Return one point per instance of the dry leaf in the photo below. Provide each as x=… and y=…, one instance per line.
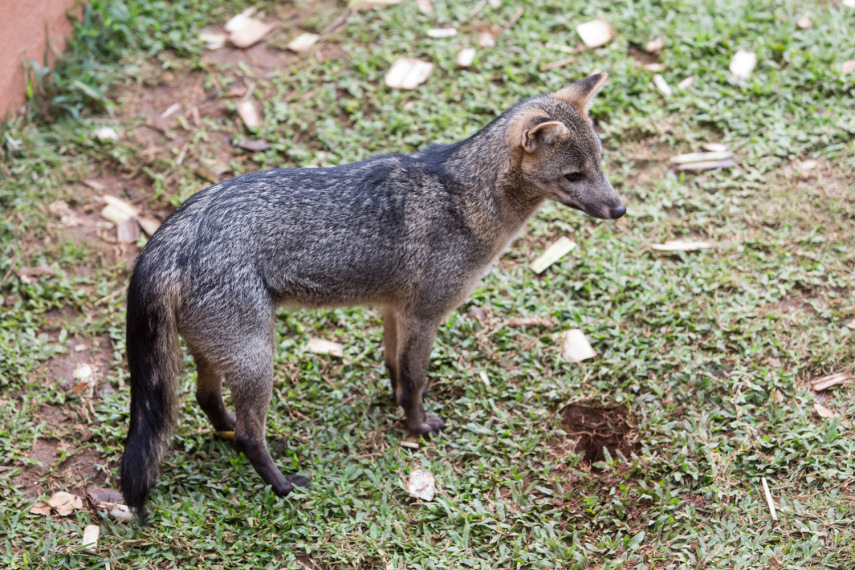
x=66, y=215
x=148, y=224
x=827, y=382
x=851, y=324
x=557, y=64
x=95, y=185
x=848, y=66
x=303, y=42
x=368, y=4
x=85, y=377
x=553, y=253
x=100, y=495
x=254, y=146
x=743, y=63
x=117, y=511
x=662, y=85
x=484, y=378
x=321, y=346
x=479, y=314
x=804, y=22
x=575, y=347
x=408, y=73
x=32, y=274
x=655, y=45
x=248, y=113
x=244, y=30
x=686, y=83
x=595, y=33
x=117, y=210
x=65, y=503
x=823, y=411
x=40, y=508
x=700, y=157
x=530, y=322
x=412, y=442
x=486, y=39
x=90, y=537
x=438, y=33
x=777, y=396
x=466, y=57
x=680, y=245
x=421, y=485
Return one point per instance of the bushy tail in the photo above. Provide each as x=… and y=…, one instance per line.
x=154, y=359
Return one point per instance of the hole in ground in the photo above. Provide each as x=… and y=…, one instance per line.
x=597, y=427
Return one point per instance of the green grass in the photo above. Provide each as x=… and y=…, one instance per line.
x=694, y=345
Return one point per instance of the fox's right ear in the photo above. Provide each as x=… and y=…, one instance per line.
x=581, y=94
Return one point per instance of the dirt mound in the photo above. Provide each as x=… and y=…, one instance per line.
x=596, y=428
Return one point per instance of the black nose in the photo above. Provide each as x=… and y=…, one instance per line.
x=618, y=211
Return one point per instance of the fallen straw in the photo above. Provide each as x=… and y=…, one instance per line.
x=769, y=499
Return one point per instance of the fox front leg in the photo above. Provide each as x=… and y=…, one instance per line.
x=414, y=343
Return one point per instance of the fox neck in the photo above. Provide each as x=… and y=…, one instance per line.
x=496, y=201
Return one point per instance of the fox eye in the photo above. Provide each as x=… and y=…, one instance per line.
x=574, y=176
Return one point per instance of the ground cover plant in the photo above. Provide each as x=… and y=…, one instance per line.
x=701, y=383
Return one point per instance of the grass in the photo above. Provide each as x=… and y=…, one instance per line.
x=697, y=347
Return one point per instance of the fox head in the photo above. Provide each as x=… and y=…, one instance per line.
x=558, y=151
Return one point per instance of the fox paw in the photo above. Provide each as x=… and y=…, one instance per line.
x=287, y=484
x=431, y=426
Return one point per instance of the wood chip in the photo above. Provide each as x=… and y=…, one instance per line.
x=148, y=224
x=485, y=379
x=706, y=165
x=848, y=66
x=595, y=33
x=804, y=22
x=769, y=501
x=117, y=210
x=553, y=253
x=303, y=42
x=655, y=45
x=425, y=6
x=95, y=185
x=530, y=322
x=408, y=73
x=421, y=485
x=65, y=503
x=823, y=411
x=557, y=64
x=681, y=245
x=743, y=63
x=654, y=67
x=438, y=33
x=466, y=57
x=662, y=85
x=851, y=324
x=807, y=165
x=686, y=83
x=486, y=39
x=171, y=110
x=101, y=495
x=410, y=443
x=715, y=147
x=128, y=231
x=827, y=382
x=700, y=157
x=321, y=346
x=575, y=347
x=248, y=113
x=213, y=39
x=84, y=376
x=65, y=213
x=495, y=4
x=40, y=508
x=106, y=134
x=90, y=537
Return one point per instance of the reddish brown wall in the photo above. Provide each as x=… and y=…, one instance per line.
x=27, y=28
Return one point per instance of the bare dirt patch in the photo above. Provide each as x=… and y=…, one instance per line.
x=595, y=428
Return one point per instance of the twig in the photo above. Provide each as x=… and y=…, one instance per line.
x=557, y=64
x=769, y=499
x=10, y=270
x=336, y=24
x=115, y=293
x=515, y=19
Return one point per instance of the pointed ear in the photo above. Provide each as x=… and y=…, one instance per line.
x=581, y=94
x=542, y=135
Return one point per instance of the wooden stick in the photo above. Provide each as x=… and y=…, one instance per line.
x=769, y=499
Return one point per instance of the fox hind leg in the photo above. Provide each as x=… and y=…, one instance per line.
x=209, y=395
x=390, y=347
x=414, y=341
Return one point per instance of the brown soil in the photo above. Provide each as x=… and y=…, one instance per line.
x=596, y=428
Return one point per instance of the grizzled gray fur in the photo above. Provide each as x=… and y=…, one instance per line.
x=410, y=233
